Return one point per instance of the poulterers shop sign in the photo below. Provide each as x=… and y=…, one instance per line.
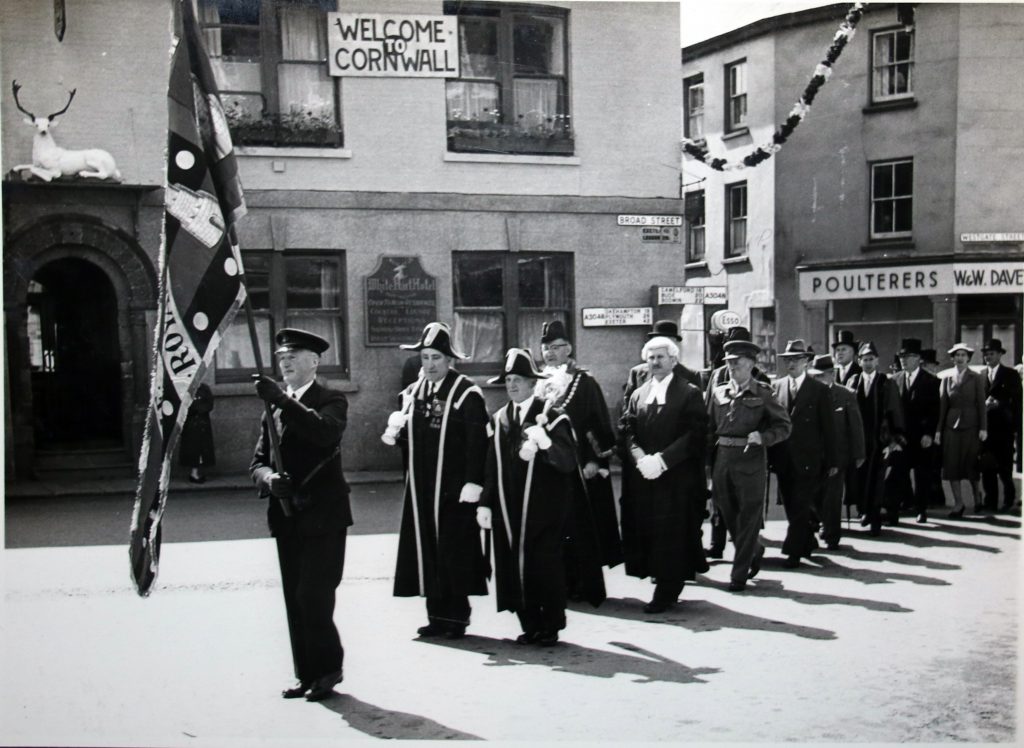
x=911, y=280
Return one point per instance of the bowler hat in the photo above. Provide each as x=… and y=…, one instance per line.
x=867, y=349
x=737, y=332
x=438, y=336
x=665, y=328
x=928, y=356
x=553, y=330
x=822, y=364
x=518, y=361
x=910, y=347
x=291, y=339
x=846, y=337
x=995, y=344
x=960, y=347
x=741, y=348
x=797, y=348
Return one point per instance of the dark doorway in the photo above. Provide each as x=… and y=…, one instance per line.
x=75, y=356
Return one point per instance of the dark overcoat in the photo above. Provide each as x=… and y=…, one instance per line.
x=197, y=433
x=810, y=450
x=849, y=426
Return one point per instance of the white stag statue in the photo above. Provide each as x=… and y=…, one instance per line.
x=49, y=160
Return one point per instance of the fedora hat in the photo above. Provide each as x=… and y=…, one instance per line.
x=741, y=348
x=737, y=332
x=867, y=349
x=910, y=347
x=821, y=364
x=438, y=336
x=928, y=356
x=797, y=348
x=846, y=337
x=665, y=328
x=995, y=344
x=553, y=330
x=293, y=339
x=961, y=347
x=518, y=361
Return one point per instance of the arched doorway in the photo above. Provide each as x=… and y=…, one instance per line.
x=74, y=355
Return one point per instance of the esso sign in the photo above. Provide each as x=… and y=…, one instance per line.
x=723, y=319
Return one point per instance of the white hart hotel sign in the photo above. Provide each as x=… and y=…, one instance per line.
x=911, y=280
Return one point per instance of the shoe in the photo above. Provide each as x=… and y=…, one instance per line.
x=194, y=479
x=455, y=632
x=791, y=562
x=295, y=692
x=715, y=552
x=831, y=544
x=864, y=520
x=737, y=586
x=323, y=687
x=755, y=565
x=957, y=513
x=922, y=518
x=547, y=638
x=875, y=530
x=529, y=637
x=431, y=629
x=658, y=606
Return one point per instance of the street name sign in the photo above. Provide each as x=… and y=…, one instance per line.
x=617, y=316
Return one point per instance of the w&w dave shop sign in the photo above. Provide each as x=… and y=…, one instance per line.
x=912, y=280
x=395, y=46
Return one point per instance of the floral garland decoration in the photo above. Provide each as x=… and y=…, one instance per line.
x=821, y=74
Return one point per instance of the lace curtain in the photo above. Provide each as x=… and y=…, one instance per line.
x=303, y=86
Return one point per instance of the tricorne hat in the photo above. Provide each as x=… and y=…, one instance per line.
x=796, y=348
x=741, y=348
x=438, y=336
x=665, y=328
x=554, y=330
x=909, y=347
x=292, y=339
x=846, y=337
x=821, y=364
x=518, y=361
x=960, y=347
x=995, y=344
x=867, y=349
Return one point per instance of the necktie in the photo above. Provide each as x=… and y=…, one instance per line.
x=991, y=375
x=515, y=418
x=792, y=393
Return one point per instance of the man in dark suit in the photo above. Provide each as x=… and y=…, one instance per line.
x=804, y=460
x=844, y=353
x=882, y=414
x=309, y=512
x=919, y=396
x=828, y=500
x=1003, y=405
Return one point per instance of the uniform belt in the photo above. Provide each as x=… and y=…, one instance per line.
x=732, y=441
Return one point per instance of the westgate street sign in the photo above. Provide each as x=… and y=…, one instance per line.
x=617, y=316
x=912, y=280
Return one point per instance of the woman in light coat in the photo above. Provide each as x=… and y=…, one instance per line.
x=961, y=427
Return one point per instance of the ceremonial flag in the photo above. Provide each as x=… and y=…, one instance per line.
x=201, y=276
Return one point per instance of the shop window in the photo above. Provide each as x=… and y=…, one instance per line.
x=693, y=104
x=892, y=65
x=736, y=219
x=885, y=321
x=288, y=289
x=512, y=95
x=736, y=96
x=503, y=299
x=762, y=332
x=694, y=213
x=892, y=199
x=270, y=61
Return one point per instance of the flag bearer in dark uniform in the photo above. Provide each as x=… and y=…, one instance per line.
x=309, y=511
x=808, y=457
x=531, y=461
x=1003, y=404
x=664, y=432
x=745, y=420
x=592, y=531
x=720, y=376
x=828, y=498
x=442, y=427
x=882, y=414
x=919, y=395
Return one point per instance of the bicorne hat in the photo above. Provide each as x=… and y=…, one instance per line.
x=995, y=344
x=553, y=330
x=796, y=348
x=910, y=347
x=822, y=364
x=438, y=336
x=741, y=348
x=292, y=339
x=867, y=349
x=665, y=328
x=518, y=361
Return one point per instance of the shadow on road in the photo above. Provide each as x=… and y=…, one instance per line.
x=826, y=567
x=700, y=615
x=976, y=526
x=384, y=723
x=566, y=657
x=929, y=540
x=855, y=554
x=775, y=588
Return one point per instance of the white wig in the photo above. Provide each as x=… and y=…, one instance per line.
x=660, y=342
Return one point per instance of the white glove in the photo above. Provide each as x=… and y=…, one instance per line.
x=470, y=493
x=396, y=422
x=528, y=451
x=483, y=517
x=590, y=470
x=538, y=435
x=651, y=466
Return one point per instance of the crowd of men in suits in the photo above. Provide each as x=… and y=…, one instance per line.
x=532, y=480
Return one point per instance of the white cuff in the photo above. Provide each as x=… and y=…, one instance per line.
x=470, y=493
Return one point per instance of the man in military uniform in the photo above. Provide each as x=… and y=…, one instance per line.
x=309, y=512
x=745, y=421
